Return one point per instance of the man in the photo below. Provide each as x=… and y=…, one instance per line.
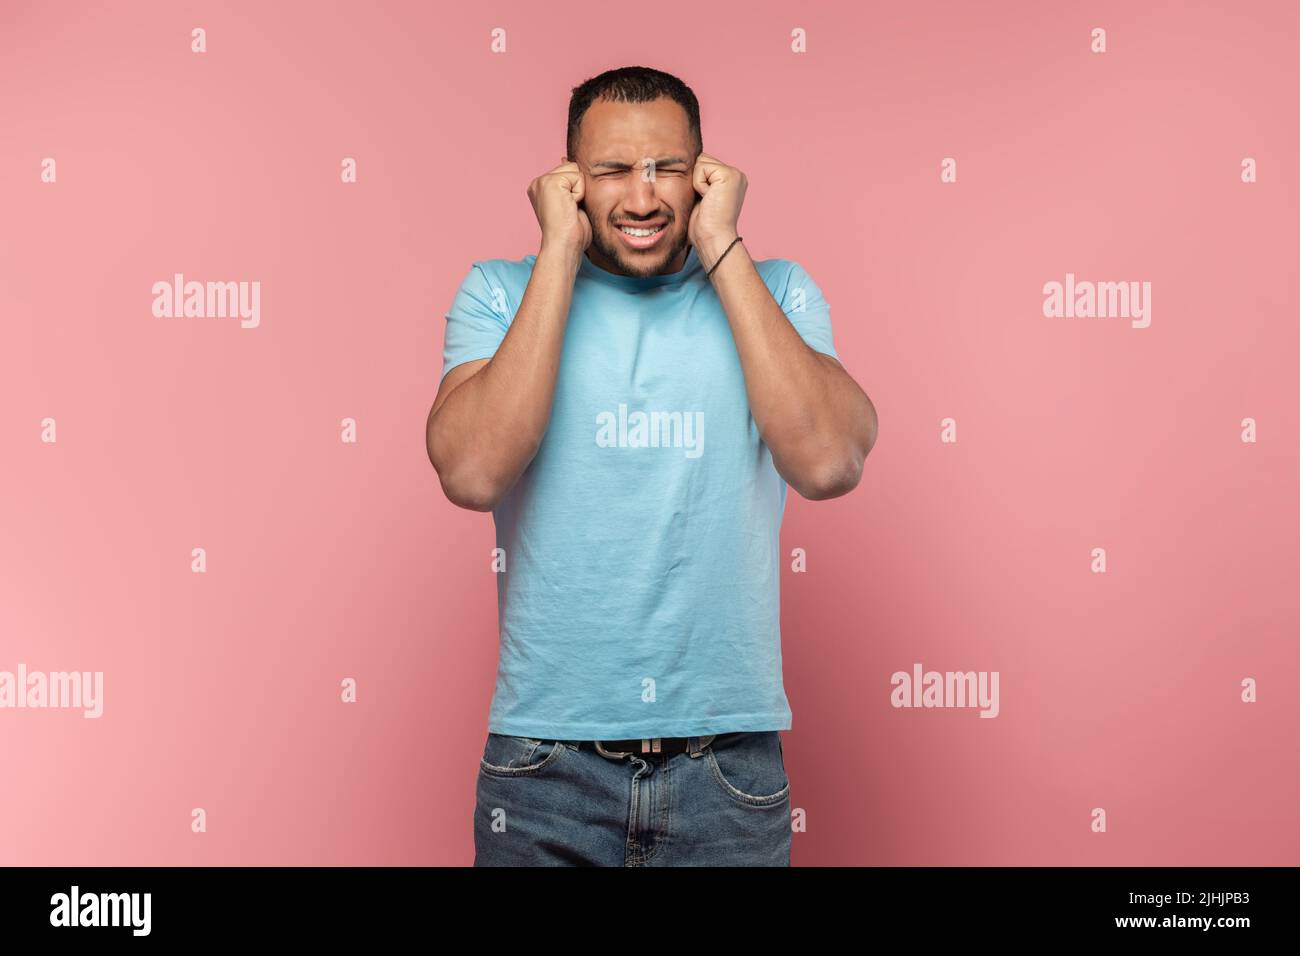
x=630, y=403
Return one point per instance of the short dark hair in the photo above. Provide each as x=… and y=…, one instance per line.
x=631, y=84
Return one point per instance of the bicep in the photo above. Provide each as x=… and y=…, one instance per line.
x=456, y=377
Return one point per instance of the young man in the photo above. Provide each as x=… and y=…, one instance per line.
x=630, y=404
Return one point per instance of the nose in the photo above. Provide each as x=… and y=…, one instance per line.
x=640, y=198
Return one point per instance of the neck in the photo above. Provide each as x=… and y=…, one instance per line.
x=676, y=264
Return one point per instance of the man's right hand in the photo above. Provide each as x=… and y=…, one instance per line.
x=555, y=196
x=490, y=415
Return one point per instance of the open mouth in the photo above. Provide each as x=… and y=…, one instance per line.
x=642, y=237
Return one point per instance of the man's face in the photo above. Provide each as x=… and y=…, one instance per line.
x=623, y=190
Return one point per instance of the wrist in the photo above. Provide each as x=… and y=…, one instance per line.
x=711, y=250
x=561, y=252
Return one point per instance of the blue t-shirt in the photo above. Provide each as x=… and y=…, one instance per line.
x=640, y=595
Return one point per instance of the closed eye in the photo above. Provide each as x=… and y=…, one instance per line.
x=659, y=171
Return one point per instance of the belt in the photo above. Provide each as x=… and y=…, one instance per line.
x=649, y=746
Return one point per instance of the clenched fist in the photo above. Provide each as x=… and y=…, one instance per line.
x=555, y=196
x=714, y=219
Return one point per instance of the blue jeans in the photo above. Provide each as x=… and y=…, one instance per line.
x=562, y=803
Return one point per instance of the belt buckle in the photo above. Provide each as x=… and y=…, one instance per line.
x=649, y=745
x=613, y=754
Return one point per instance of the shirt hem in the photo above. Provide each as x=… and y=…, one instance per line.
x=727, y=724
x=469, y=357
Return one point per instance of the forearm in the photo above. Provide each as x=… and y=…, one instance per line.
x=814, y=418
x=488, y=429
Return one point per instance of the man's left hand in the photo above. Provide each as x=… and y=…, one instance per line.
x=713, y=220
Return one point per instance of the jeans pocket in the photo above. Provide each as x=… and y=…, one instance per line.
x=507, y=756
x=750, y=767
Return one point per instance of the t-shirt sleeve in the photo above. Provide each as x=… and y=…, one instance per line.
x=476, y=322
x=808, y=311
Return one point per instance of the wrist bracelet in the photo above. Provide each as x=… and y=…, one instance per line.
x=709, y=274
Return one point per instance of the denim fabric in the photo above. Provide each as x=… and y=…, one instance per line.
x=561, y=803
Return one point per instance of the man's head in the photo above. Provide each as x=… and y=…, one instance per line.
x=635, y=134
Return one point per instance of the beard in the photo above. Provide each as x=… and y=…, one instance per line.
x=636, y=263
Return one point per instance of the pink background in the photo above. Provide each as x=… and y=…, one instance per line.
x=329, y=560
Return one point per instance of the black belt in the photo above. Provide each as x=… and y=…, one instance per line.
x=649, y=745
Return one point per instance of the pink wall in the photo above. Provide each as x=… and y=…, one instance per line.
x=325, y=560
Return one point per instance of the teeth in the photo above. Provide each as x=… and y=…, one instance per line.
x=640, y=232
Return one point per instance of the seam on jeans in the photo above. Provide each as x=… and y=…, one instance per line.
x=493, y=770
x=658, y=846
x=633, y=844
x=668, y=809
x=740, y=796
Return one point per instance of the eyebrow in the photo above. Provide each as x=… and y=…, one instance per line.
x=611, y=164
